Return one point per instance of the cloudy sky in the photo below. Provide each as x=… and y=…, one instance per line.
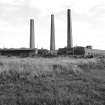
x=88, y=22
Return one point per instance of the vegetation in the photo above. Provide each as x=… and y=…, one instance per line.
x=53, y=81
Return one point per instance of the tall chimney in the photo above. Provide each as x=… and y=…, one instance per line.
x=69, y=29
x=52, y=37
x=32, y=43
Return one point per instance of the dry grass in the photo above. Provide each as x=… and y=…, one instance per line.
x=40, y=81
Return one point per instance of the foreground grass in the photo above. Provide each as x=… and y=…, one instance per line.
x=62, y=81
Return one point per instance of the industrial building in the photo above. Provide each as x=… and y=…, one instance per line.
x=68, y=50
x=22, y=52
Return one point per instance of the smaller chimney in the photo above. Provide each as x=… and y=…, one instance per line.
x=52, y=37
x=32, y=43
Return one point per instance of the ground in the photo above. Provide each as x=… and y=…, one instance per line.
x=52, y=81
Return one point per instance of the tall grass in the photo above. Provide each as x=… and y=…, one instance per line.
x=62, y=81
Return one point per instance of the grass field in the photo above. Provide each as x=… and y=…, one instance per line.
x=52, y=81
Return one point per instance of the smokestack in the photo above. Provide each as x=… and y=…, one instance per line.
x=69, y=29
x=32, y=43
x=52, y=37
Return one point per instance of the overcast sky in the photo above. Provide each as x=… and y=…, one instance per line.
x=88, y=22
